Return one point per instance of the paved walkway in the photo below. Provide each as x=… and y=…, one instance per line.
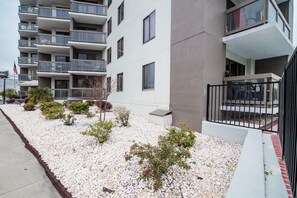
x=21, y=175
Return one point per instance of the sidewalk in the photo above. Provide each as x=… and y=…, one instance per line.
x=21, y=175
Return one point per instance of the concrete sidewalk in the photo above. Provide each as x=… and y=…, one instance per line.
x=21, y=175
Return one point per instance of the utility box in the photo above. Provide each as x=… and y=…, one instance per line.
x=161, y=117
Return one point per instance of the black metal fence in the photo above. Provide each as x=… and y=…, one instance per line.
x=288, y=120
x=245, y=104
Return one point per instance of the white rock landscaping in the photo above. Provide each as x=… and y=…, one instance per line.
x=84, y=167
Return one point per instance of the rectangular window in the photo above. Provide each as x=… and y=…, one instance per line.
x=234, y=69
x=148, y=76
x=109, y=26
x=121, y=13
x=149, y=27
x=84, y=56
x=120, y=82
x=121, y=47
x=109, y=55
x=109, y=3
x=108, y=81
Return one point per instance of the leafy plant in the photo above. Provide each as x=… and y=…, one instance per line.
x=79, y=107
x=29, y=106
x=64, y=103
x=90, y=102
x=89, y=115
x=69, y=119
x=10, y=93
x=27, y=100
x=122, y=115
x=101, y=130
x=103, y=105
x=52, y=110
x=39, y=95
x=173, y=149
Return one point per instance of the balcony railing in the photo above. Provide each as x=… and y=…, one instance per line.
x=28, y=10
x=85, y=93
x=27, y=60
x=60, y=93
x=56, y=13
x=88, y=65
x=27, y=77
x=28, y=27
x=89, y=37
x=27, y=43
x=89, y=8
x=54, y=67
x=46, y=39
x=253, y=13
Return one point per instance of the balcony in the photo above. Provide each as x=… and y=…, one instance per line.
x=84, y=93
x=60, y=93
x=27, y=46
x=47, y=43
x=90, y=13
x=28, y=13
x=27, y=77
x=49, y=18
x=27, y=30
x=88, y=40
x=46, y=68
x=87, y=67
x=257, y=29
x=26, y=62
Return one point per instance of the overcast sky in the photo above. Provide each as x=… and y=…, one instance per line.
x=9, y=34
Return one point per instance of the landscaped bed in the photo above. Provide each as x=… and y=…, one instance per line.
x=84, y=167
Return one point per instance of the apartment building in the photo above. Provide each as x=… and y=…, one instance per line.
x=160, y=54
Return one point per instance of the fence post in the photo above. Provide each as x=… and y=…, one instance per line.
x=207, y=103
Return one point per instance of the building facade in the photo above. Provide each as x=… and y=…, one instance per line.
x=157, y=54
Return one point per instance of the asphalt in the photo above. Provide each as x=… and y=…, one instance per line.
x=21, y=175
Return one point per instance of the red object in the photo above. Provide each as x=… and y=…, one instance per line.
x=15, y=70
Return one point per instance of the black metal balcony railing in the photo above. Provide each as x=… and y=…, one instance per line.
x=28, y=27
x=27, y=77
x=60, y=93
x=27, y=60
x=54, y=67
x=46, y=39
x=253, y=13
x=90, y=37
x=28, y=10
x=56, y=13
x=89, y=8
x=88, y=65
x=27, y=43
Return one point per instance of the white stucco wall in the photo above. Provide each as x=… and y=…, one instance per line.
x=137, y=54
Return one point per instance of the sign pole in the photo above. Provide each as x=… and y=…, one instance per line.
x=4, y=91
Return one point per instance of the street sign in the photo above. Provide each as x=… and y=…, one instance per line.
x=4, y=74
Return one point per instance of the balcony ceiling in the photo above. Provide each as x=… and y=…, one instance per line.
x=27, y=17
x=49, y=49
x=261, y=42
x=88, y=18
x=27, y=33
x=52, y=74
x=87, y=46
x=32, y=83
x=87, y=73
x=50, y=23
x=28, y=49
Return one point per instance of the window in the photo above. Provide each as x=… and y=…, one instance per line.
x=109, y=26
x=84, y=56
x=121, y=13
x=149, y=28
x=61, y=84
x=148, y=76
x=109, y=55
x=62, y=58
x=121, y=47
x=234, y=69
x=120, y=82
x=109, y=3
x=108, y=80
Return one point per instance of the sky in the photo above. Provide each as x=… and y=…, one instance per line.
x=9, y=34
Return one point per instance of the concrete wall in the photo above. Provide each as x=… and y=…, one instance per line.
x=271, y=65
x=197, y=56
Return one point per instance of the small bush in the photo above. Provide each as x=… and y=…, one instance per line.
x=39, y=95
x=90, y=102
x=10, y=101
x=89, y=115
x=10, y=93
x=29, y=106
x=103, y=105
x=64, y=103
x=79, y=107
x=27, y=99
x=69, y=119
x=52, y=110
x=101, y=130
x=173, y=149
x=122, y=115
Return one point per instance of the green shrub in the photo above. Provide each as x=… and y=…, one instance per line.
x=27, y=100
x=79, y=107
x=122, y=115
x=101, y=130
x=10, y=93
x=173, y=149
x=39, y=95
x=90, y=102
x=89, y=115
x=64, y=103
x=52, y=110
x=69, y=119
x=29, y=106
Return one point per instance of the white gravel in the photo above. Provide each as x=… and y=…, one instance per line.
x=84, y=167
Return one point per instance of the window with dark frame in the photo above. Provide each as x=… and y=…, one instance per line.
x=109, y=26
x=149, y=27
x=148, y=76
x=121, y=47
x=121, y=13
x=109, y=3
x=120, y=82
x=234, y=68
x=109, y=55
x=108, y=81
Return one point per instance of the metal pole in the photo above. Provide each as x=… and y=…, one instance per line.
x=4, y=91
